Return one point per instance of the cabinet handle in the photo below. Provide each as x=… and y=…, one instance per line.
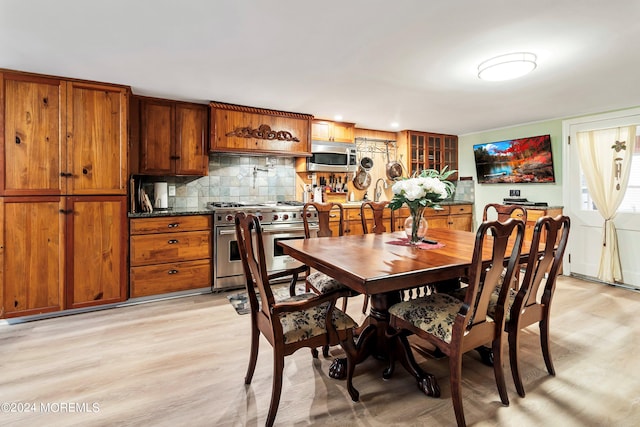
x=174, y=157
x=173, y=225
x=66, y=174
x=172, y=272
x=172, y=241
x=66, y=212
x=85, y=171
x=18, y=140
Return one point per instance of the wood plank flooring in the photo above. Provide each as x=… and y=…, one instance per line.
x=183, y=361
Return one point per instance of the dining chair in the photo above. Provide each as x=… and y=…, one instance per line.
x=454, y=326
x=499, y=212
x=378, y=210
x=527, y=307
x=319, y=282
x=290, y=324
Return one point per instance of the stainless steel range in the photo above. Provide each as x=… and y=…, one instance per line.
x=281, y=221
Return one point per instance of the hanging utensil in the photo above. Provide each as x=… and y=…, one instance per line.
x=394, y=168
x=362, y=179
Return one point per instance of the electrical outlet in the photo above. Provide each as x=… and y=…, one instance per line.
x=172, y=190
x=514, y=193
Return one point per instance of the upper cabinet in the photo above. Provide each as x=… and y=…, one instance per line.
x=427, y=150
x=62, y=137
x=324, y=130
x=239, y=129
x=168, y=137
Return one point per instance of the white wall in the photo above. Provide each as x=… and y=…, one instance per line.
x=494, y=193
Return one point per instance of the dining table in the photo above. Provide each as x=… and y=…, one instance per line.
x=381, y=266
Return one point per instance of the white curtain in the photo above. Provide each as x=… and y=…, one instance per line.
x=605, y=157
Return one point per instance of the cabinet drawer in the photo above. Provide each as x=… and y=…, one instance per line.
x=170, y=277
x=170, y=247
x=170, y=224
x=460, y=209
x=436, y=212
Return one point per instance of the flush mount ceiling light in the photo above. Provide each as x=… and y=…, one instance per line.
x=507, y=67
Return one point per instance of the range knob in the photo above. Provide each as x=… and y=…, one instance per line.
x=229, y=218
x=260, y=217
x=275, y=217
x=308, y=214
x=285, y=217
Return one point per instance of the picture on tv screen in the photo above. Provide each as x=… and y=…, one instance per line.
x=520, y=160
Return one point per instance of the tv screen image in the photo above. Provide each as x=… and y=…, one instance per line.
x=520, y=160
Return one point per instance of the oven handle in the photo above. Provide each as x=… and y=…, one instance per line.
x=273, y=230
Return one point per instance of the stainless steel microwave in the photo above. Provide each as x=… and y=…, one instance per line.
x=332, y=157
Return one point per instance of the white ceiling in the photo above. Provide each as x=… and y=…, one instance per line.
x=372, y=61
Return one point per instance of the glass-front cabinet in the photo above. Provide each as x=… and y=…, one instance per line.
x=430, y=151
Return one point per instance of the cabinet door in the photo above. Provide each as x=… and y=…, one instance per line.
x=460, y=222
x=96, y=139
x=190, y=152
x=320, y=130
x=31, y=146
x=343, y=132
x=417, y=153
x=157, y=130
x=31, y=260
x=96, y=250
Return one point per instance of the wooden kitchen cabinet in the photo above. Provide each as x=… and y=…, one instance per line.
x=169, y=137
x=427, y=150
x=63, y=147
x=32, y=241
x=61, y=252
x=170, y=254
x=96, y=250
x=62, y=137
x=324, y=130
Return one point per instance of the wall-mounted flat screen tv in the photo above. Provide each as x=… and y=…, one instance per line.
x=520, y=160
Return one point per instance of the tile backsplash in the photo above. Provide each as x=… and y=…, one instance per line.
x=234, y=179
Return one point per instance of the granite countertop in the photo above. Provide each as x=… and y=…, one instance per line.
x=171, y=212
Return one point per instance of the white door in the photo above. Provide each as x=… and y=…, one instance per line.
x=585, y=241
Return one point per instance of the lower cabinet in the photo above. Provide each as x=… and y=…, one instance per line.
x=533, y=214
x=61, y=252
x=453, y=217
x=170, y=254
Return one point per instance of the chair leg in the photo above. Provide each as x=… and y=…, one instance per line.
x=365, y=304
x=253, y=356
x=314, y=353
x=514, y=342
x=498, y=370
x=344, y=304
x=349, y=347
x=544, y=342
x=455, y=378
x=276, y=390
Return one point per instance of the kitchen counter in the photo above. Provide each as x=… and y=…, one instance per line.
x=171, y=212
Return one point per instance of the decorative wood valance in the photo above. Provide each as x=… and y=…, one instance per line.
x=240, y=129
x=255, y=110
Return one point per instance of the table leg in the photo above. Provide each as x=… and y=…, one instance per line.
x=427, y=382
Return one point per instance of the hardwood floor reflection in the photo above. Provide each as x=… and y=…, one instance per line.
x=182, y=362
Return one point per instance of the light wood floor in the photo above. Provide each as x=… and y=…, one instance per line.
x=182, y=362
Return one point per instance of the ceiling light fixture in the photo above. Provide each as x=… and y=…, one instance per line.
x=507, y=67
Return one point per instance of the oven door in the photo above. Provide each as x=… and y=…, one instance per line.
x=228, y=270
x=275, y=258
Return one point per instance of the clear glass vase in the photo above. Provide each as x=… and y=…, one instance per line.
x=415, y=234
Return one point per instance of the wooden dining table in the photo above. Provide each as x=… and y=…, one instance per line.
x=380, y=266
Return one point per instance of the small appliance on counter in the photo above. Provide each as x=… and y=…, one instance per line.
x=161, y=195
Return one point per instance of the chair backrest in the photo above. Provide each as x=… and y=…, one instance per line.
x=378, y=209
x=325, y=211
x=550, y=235
x=503, y=212
x=505, y=242
x=251, y=248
